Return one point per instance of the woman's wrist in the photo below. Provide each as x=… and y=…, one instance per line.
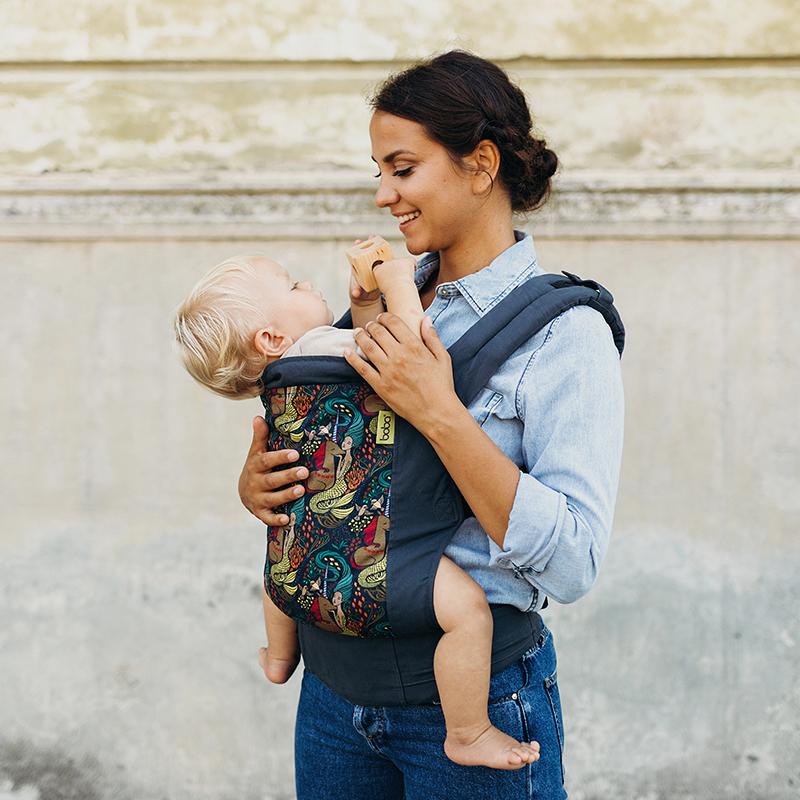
x=444, y=419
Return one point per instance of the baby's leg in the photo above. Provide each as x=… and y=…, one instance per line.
x=462, y=664
x=281, y=657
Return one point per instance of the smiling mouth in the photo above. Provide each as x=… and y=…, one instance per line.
x=403, y=218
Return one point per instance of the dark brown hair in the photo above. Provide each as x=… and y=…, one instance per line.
x=461, y=99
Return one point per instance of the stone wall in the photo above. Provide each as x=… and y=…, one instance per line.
x=142, y=141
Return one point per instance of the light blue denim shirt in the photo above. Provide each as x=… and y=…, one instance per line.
x=555, y=408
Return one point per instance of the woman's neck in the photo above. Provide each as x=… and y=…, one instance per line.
x=475, y=250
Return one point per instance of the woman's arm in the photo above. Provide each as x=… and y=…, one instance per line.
x=415, y=378
x=551, y=521
x=571, y=404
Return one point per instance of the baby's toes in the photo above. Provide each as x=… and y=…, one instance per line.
x=527, y=754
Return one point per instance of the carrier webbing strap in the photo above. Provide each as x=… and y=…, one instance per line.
x=479, y=353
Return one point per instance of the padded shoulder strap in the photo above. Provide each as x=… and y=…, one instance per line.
x=480, y=352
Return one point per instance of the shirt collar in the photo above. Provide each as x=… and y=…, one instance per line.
x=486, y=287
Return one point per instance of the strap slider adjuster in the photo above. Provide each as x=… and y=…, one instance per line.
x=602, y=293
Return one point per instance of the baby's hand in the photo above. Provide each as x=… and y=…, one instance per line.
x=396, y=270
x=359, y=296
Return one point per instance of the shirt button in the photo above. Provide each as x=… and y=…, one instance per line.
x=514, y=696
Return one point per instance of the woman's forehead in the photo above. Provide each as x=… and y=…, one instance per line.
x=394, y=136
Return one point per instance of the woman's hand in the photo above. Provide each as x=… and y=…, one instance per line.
x=260, y=487
x=414, y=377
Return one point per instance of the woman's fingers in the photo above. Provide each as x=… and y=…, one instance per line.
x=258, y=478
x=431, y=339
x=364, y=369
x=398, y=329
x=381, y=336
x=265, y=503
x=267, y=461
x=372, y=348
x=271, y=518
x=277, y=480
x=259, y=458
x=259, y=442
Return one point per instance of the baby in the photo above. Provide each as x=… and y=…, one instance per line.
x=244, y=314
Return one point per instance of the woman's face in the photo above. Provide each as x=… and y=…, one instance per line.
x=430, y=197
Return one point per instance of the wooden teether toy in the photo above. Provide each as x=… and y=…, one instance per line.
x=366, y=255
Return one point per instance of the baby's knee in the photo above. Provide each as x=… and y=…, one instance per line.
x=461, y=603
x=473, y=600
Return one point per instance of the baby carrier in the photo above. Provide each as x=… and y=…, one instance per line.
x=363, y=544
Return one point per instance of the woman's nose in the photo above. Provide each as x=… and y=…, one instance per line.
x=385, y=195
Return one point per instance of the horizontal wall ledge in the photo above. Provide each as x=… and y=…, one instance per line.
x=253, y=121
x=334, y=204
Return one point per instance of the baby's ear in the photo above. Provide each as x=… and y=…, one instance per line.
x=271, y=342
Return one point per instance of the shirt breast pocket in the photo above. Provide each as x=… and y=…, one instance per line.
x=486, y=402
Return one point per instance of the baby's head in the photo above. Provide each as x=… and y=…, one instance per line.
x=242, y=315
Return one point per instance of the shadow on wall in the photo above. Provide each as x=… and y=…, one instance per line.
x=28, y=772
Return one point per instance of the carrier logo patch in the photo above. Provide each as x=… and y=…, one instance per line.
x=385, y=427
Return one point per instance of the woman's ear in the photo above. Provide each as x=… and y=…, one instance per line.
x=271, y=343
x=485, y=160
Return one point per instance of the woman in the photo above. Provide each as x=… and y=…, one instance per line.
x=536, y=455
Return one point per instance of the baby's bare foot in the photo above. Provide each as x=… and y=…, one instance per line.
x=490, y=748
x=277, y=670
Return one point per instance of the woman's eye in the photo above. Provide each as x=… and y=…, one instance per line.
x=401, y=173
x=295, y=285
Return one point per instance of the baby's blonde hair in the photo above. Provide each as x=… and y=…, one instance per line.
x=215, y=327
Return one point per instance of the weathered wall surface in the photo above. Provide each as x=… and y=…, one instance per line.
x=142, y=141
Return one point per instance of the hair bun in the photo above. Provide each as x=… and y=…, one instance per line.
x=549, y=162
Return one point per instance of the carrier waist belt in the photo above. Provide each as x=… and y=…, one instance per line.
x=399, y=671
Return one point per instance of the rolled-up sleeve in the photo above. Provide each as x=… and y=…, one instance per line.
x=571, y=405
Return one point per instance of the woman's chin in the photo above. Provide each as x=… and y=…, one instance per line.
x=416, y=245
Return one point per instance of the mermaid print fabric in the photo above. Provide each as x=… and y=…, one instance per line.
x=327, y=567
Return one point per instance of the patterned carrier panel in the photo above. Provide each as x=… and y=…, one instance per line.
x=327, y=567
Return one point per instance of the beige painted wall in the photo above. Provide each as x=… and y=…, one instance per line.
x=142, y=141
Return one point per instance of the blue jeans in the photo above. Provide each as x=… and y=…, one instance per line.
x=352, y=752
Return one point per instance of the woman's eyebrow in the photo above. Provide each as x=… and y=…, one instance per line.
x=393, y=155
